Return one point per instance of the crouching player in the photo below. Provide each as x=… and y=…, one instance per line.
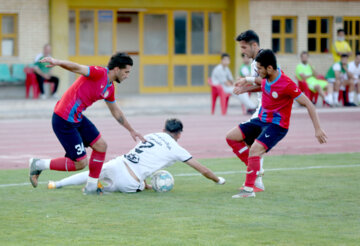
x=127, y=173
x=271, y=125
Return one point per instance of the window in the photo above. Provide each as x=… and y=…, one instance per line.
x=91, y=32
x=284, y=34
x=352, y=32
x=319, y=34
x=8, y=34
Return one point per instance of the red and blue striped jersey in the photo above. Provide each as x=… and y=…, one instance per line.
x=277, y=100
x=84, y=92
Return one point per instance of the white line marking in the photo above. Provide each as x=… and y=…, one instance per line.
x=272, y=170
x=224, y=173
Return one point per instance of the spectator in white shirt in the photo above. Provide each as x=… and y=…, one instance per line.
x=354, y=69
x=222, y=76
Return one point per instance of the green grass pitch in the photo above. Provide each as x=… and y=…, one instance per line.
x=299, y=207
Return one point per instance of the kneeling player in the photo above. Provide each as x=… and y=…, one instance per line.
x=127, y=173
x=265, y=131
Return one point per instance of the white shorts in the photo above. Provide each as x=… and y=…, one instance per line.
x=116, y=177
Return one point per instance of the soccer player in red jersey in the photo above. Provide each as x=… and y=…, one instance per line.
x=271, y=125
x=73, y=129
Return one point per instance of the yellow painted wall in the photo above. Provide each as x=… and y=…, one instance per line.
x=236, y=21
x=59, y=30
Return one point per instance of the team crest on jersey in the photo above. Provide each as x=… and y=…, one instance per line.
x=274, y=94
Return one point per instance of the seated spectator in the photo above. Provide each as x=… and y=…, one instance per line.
x=338, y=77
x=354, y=69
x=44, y=73
x=306, y=72
x=222, y=76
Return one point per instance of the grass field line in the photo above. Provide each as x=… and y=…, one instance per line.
x=224, y=173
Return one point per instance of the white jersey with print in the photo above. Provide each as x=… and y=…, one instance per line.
x=255, y=74
x=159, y=151
x=355, y=70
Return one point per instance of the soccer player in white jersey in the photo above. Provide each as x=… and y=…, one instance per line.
x=250, y=46
x=127, y=173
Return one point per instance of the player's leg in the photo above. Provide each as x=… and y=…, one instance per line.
x=92, y=138
x=269, y=137
x=70, y=139
x=235, y=139
x=76, y=179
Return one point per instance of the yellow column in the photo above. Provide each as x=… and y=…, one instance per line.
x=59, y=36
x=242, y=23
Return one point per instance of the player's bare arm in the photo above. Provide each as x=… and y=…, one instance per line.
x=319, y=133
x=71, y=66
x=206, y=172
x=120, y=117
x=247, y=84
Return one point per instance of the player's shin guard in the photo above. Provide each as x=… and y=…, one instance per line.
x=62, y=164
x=96, y=163
x=240, y=149
x=252, y=170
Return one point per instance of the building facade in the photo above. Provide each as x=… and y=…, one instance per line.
x=175, y=44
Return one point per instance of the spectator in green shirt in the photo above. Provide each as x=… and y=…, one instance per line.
x=245, y=68
x=43, y=72
x=306, y=72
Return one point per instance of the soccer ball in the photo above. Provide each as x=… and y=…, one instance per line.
x=162, y=181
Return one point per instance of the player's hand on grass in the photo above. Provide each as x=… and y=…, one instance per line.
x=221, y=181
x=135, y=135
x=321, y=136
x=52, y=62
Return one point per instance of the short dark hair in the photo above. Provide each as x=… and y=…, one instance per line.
x=340, y=30
x=304, y=53
x=120, y=60
x=224, y=55
x=248, y=36
x=357, y=53
x=266, y=58
x=173, y=126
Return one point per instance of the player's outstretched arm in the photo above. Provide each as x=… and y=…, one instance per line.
x=71, y=66
x=319, y=133
x=247, y=84
x=205, y=171
x=120, y=117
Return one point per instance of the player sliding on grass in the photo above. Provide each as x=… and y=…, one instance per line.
x=73, y=129
x=265, y=131
x=127, y=173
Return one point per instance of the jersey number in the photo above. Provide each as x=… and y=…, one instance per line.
x=143, y=146
x=80, y=148
x=134, y=157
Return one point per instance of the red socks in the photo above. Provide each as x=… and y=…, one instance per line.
x=62, y=164
x=95, y=164
x=253, y=168
x=240, y=149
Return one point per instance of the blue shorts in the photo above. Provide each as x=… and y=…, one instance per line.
x=267, y=134
x=74, y=137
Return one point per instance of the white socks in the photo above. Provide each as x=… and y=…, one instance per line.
x=77, y=179
x=43, y=164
